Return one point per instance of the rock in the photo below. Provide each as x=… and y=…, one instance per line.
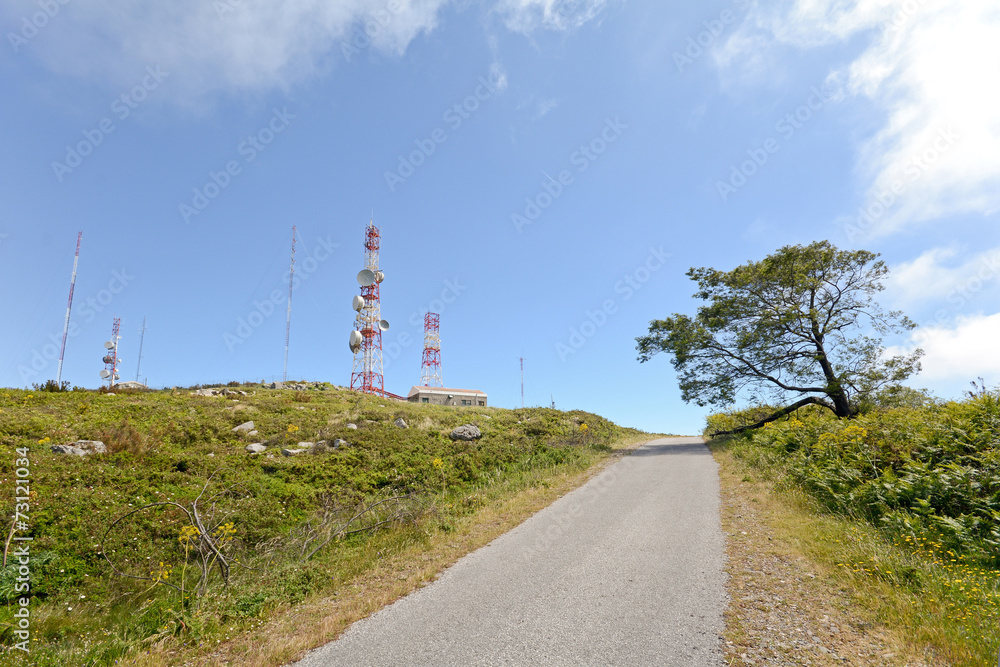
x=340, y=443
x=277, y=385
x=466, y=432
x=81, y=448
x=68, y=449
x=253, y=432
x=353, y=427
x=204, y=392
x=242, y=393
x=245, y=427
x=256, y=447
x=111, y=393
x=400, y=423
x=211, y=454
x=308, y=445
x=293, y=452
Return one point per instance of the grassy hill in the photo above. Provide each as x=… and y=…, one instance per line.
x=177, y=541
x=900, y=506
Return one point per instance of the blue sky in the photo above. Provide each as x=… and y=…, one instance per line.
x=543, y=173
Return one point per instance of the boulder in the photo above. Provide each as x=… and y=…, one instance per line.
x=81, y=448
x=306, y=445
x=466, y=432
x=256, y=447
x=338, y=442
x=294, y=452
x=245, y=427
x=353, y=427
x=277, y=385
x=400, y=423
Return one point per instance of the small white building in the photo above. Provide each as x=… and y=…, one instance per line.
x=445, y=396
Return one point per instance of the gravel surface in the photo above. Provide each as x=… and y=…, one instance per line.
x=784, y=611
x=626, y=570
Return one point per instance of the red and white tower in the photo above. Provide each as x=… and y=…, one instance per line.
x=110, y=372
x=430, y=367
x=366, y=339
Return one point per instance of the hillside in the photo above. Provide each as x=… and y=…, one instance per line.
x=177, y=538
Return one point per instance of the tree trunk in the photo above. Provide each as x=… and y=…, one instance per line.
x=809, y=400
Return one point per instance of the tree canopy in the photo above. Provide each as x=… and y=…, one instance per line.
x=800, y=326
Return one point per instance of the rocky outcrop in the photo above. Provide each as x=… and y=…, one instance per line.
x=81, y=448
x=467, y=432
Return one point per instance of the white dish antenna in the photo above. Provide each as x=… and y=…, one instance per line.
x=109, y=345
x=365, y=277
x=116, y=376
x=105, y=374
x=359, y=302
x=379, y=276
x=355, y=341
x=383, y=325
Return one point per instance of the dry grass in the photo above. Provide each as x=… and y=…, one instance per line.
x=789, y=604
x=291, y=632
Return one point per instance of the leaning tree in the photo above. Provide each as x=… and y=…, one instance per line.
x=800, y=327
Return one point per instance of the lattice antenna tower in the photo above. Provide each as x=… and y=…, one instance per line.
x=142, y=336
x=366, y=339
x=522, y=381
x=111, y=360
x=430, y=367
x=288, y=312
x=69, y=307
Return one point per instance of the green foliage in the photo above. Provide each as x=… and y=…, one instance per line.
x=930, y=472
x=797, y=323
x=918, y=490
x=163, y=446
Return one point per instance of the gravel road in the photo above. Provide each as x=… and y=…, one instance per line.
x=626, y=570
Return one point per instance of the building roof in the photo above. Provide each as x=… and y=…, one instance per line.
x=443, y=390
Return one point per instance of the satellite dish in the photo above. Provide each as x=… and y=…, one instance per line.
x=379, y=276
x=109, y=345
x=365, y=277
x=108, y=359
x=116, y=376
x=383, y=325
x=359, y=303
x=355, y=341
x=105, y=374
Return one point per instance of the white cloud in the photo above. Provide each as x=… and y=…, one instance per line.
x=960, y=353
x=926, y=69
x=527, y=16
x=943, y=274
x=208, y=46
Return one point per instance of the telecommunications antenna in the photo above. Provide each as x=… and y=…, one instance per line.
x=383, y=325
x=366, y=277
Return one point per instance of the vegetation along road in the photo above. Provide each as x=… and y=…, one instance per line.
x=627, y=569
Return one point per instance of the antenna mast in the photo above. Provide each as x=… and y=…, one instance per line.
x=522, y=381
x=69, y=307
x=430, y=367
x=288, y=314
x=110, y=372
x=142, y=334
x=366, y=339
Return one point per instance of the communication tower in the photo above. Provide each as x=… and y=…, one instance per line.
x=111, y=360
x=288, y=314
x=430, y=367
x=366, y=338
x=69, y=307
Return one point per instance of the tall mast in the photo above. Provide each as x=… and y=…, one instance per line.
x=69, y=307
x=142, y=334
x=288, y=314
